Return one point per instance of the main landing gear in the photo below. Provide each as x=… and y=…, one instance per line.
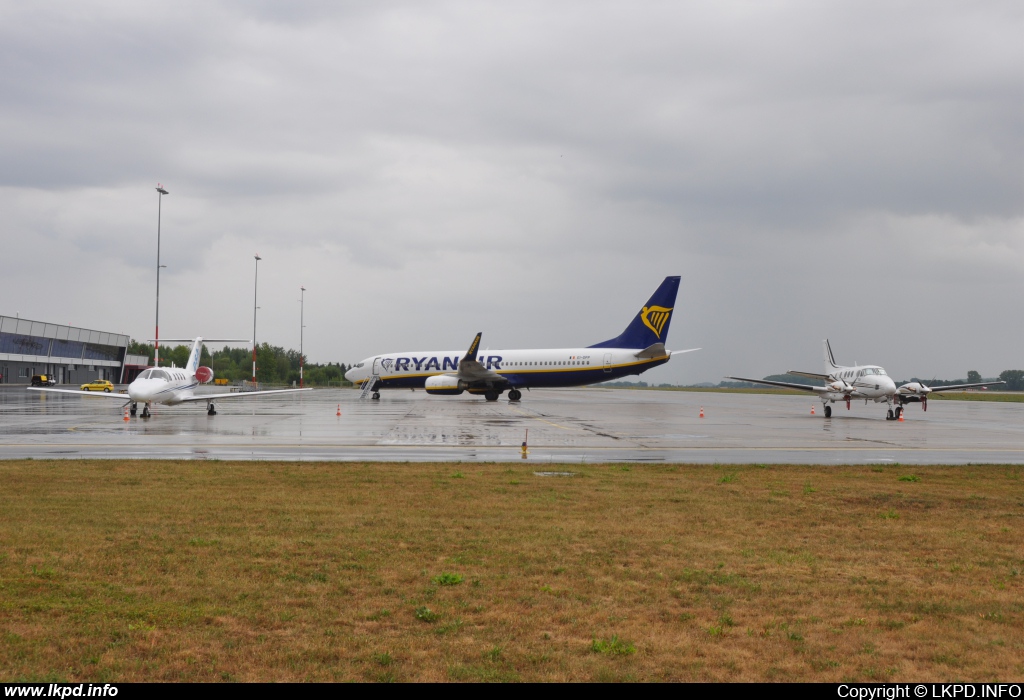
x=492, y=395
x=134, y=408
x=894, y=415
x=210, y=410
x=514, y=395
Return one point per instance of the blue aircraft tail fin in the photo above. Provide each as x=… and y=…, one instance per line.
x=650, y=325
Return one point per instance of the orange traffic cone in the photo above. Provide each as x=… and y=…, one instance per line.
x=339, y=409
x=125, y=414
x=812, y=409
x=701, y=411
x=901, y=416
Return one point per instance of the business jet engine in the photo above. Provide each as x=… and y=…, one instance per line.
x=204, y=375
x=443, y=385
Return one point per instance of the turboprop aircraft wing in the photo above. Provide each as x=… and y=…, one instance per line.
x=786, y=385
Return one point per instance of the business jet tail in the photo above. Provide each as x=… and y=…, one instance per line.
x=650, y=325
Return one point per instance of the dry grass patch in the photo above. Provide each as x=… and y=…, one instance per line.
x=287, y=571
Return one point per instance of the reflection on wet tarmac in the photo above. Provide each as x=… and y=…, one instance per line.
x=565, y=426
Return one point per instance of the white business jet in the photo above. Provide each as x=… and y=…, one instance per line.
x=868, y=382
x=443, y=372
x=173, y=385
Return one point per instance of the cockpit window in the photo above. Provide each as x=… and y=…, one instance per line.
x=157, y=374
x=880, y=371
x=145, y=375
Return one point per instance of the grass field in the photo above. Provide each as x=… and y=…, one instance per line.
x=134, y=571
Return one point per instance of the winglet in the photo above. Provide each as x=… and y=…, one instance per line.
x=473, y=347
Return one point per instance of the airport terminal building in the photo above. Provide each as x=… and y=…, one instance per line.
x=68, y=354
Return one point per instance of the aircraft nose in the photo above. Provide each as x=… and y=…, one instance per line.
x=351, y=375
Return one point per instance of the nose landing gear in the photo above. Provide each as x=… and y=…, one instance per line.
x=145, y=410
x=210, y=410
x=828, y=411
x=134, y=408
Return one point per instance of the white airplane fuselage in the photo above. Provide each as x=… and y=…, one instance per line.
x=551, y=367
x=165, y=385
x=860, y=382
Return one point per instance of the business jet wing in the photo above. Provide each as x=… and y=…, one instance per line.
x=471, y=370
x=101, y=394
x=241, y=394
x=786, y=385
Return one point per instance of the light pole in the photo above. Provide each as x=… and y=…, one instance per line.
x=302, y=327
x=156, y=338
x=255, y=280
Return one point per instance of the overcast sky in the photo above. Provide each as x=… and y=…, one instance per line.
x=531, y=170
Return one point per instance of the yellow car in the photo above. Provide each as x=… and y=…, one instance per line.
x=98, y=385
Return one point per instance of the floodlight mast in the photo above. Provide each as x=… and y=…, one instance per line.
x=255, y=282
x=156, y=337
x=302, y=328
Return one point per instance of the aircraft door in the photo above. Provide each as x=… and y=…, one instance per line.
x=376, y=366
x=607, y=362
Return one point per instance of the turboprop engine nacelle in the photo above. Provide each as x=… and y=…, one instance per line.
x=204, y=375
x=443, y=384
x=914, y=388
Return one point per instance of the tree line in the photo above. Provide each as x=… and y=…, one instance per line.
x=274, y=364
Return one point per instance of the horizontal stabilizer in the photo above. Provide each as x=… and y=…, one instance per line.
x=206, y=341
x=656, y=350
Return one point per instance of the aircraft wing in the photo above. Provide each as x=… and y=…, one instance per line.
x=786, y=385
x=101, y=394
x=241, y=394
x=471, y=370
x=809, y=375
x=957, y=387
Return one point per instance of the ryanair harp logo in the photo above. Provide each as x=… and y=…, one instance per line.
x=655, y=318
x=387, y=363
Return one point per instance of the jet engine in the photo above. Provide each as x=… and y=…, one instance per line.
x=204, y=375
x=443, y=384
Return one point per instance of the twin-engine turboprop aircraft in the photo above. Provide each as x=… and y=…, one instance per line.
x=490, y=373
x=174, y=385
x=863, y=382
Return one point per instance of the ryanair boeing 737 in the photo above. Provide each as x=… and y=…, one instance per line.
x=639, y=348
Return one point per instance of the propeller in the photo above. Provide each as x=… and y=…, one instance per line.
x=918, y=388
x=840, y=385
